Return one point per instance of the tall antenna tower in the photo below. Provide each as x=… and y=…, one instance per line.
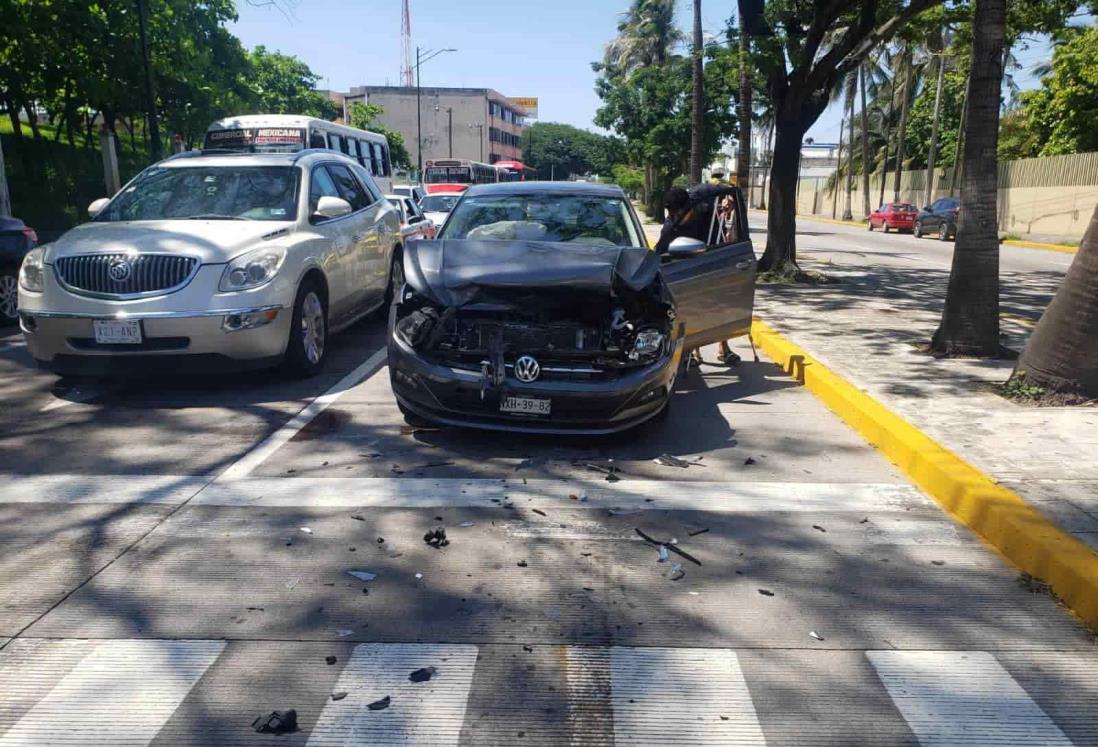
x=407, y=78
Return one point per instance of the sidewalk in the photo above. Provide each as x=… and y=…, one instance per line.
x=867, y=330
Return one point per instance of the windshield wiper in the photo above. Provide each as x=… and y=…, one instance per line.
x=216, y=216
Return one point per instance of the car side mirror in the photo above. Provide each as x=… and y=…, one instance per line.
x=97, y=206
x=684, y=246
x=329, y=207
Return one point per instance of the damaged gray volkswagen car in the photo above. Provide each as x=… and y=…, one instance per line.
x=540, y=308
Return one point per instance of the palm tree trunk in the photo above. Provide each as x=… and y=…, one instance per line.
x=848, y=208
x=901, y=135
x=699, y=100
x=960, y=142
x=1062, y=353
x=887, y=139
x=934, y=131
x=743, y=153
x=838, y=162
x=970, y=319
x=865, y=144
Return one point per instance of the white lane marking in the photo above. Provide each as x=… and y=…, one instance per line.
x=589, y=715
x=423, y=713
x=72, y=397
x=413, y=492
x=664, y=696
x=122, y=693
x=244, y=466
x=162, y=489
x=962, y=699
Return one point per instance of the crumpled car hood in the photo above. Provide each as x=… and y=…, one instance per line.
x=457, y=273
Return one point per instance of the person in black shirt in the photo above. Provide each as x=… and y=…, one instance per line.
x=690, y=213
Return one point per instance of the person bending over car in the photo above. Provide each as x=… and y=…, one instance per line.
x=690, y=214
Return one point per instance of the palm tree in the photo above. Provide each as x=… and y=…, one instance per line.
x=970, y=319
x=1062, y=352
x=743, y=153
x=865, y=143
x=697, y=118
x=646, y=35
x=851, y=88
x=906, y=72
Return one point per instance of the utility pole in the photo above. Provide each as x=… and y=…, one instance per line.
x=450, y=127
x=150, y=95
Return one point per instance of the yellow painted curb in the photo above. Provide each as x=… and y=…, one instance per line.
x=1019, y=531
x=1038, y=245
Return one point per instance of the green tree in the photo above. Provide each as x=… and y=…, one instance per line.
x=281, y=84
x=365, y=117
x=558, y=151
x=1061, y=114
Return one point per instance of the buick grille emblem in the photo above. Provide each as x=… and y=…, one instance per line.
x=527, y=369
x=119, y=270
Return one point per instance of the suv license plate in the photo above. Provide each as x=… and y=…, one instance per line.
x=117, y=332
x=525, y=405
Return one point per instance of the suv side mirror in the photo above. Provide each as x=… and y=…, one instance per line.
x=684, y=246
x=329, y=207
x=97, y=206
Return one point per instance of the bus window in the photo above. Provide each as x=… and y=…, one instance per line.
x=335, y=142
x=379, y=161
x=363, y=156
x=352, y=147
x=386, y=158
x=316, y=139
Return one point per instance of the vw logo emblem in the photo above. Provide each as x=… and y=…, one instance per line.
x=527, y=369
x=119, y=269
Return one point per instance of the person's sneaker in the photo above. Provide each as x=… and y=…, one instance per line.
x=729, y=358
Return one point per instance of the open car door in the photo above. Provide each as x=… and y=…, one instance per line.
x=714, y=285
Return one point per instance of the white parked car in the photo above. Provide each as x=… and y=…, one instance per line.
x=241, y=261
x=413, y=223
x=415, y=191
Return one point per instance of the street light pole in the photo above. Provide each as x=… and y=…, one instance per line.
x=419, y=126
x=420, y=59
x=450, y=127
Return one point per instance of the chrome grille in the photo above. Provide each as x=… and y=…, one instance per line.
x=144, y=274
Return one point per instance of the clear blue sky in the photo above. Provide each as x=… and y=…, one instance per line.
x=540, y=48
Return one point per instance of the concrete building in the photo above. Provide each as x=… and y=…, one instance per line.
x=478, y=124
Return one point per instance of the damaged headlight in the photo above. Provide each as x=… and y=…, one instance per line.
x=647, y=344
x=416, y=327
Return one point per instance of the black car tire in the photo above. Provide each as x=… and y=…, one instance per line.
x=306, y=349
x=9, y=296
x=396, y=278
x=945, y=231
x=884, y=227
x=917, y=230
x=869, y=224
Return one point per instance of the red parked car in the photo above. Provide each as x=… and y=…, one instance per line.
x=898, y=215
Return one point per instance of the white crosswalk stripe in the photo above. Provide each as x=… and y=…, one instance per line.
x=121, y=693
x=963, y=699
x=418, y=713
x=684, y=696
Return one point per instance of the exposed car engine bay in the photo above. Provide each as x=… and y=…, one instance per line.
x=585, y=329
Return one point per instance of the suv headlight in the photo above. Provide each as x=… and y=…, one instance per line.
x=32, y=273
x=253, y=269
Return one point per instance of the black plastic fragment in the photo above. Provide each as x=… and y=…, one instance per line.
x=276, y=722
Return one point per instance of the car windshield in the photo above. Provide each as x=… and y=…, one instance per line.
x=208, y=192
x=583, y=219
x=439, y=203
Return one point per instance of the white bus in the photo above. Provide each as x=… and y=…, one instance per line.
x=286, y=133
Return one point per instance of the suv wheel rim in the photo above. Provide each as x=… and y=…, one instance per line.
x=9, y=296
x=312, y=327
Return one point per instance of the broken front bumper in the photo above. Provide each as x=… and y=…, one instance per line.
x=454, y=396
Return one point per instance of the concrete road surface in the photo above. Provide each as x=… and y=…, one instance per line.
x=176, y=560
